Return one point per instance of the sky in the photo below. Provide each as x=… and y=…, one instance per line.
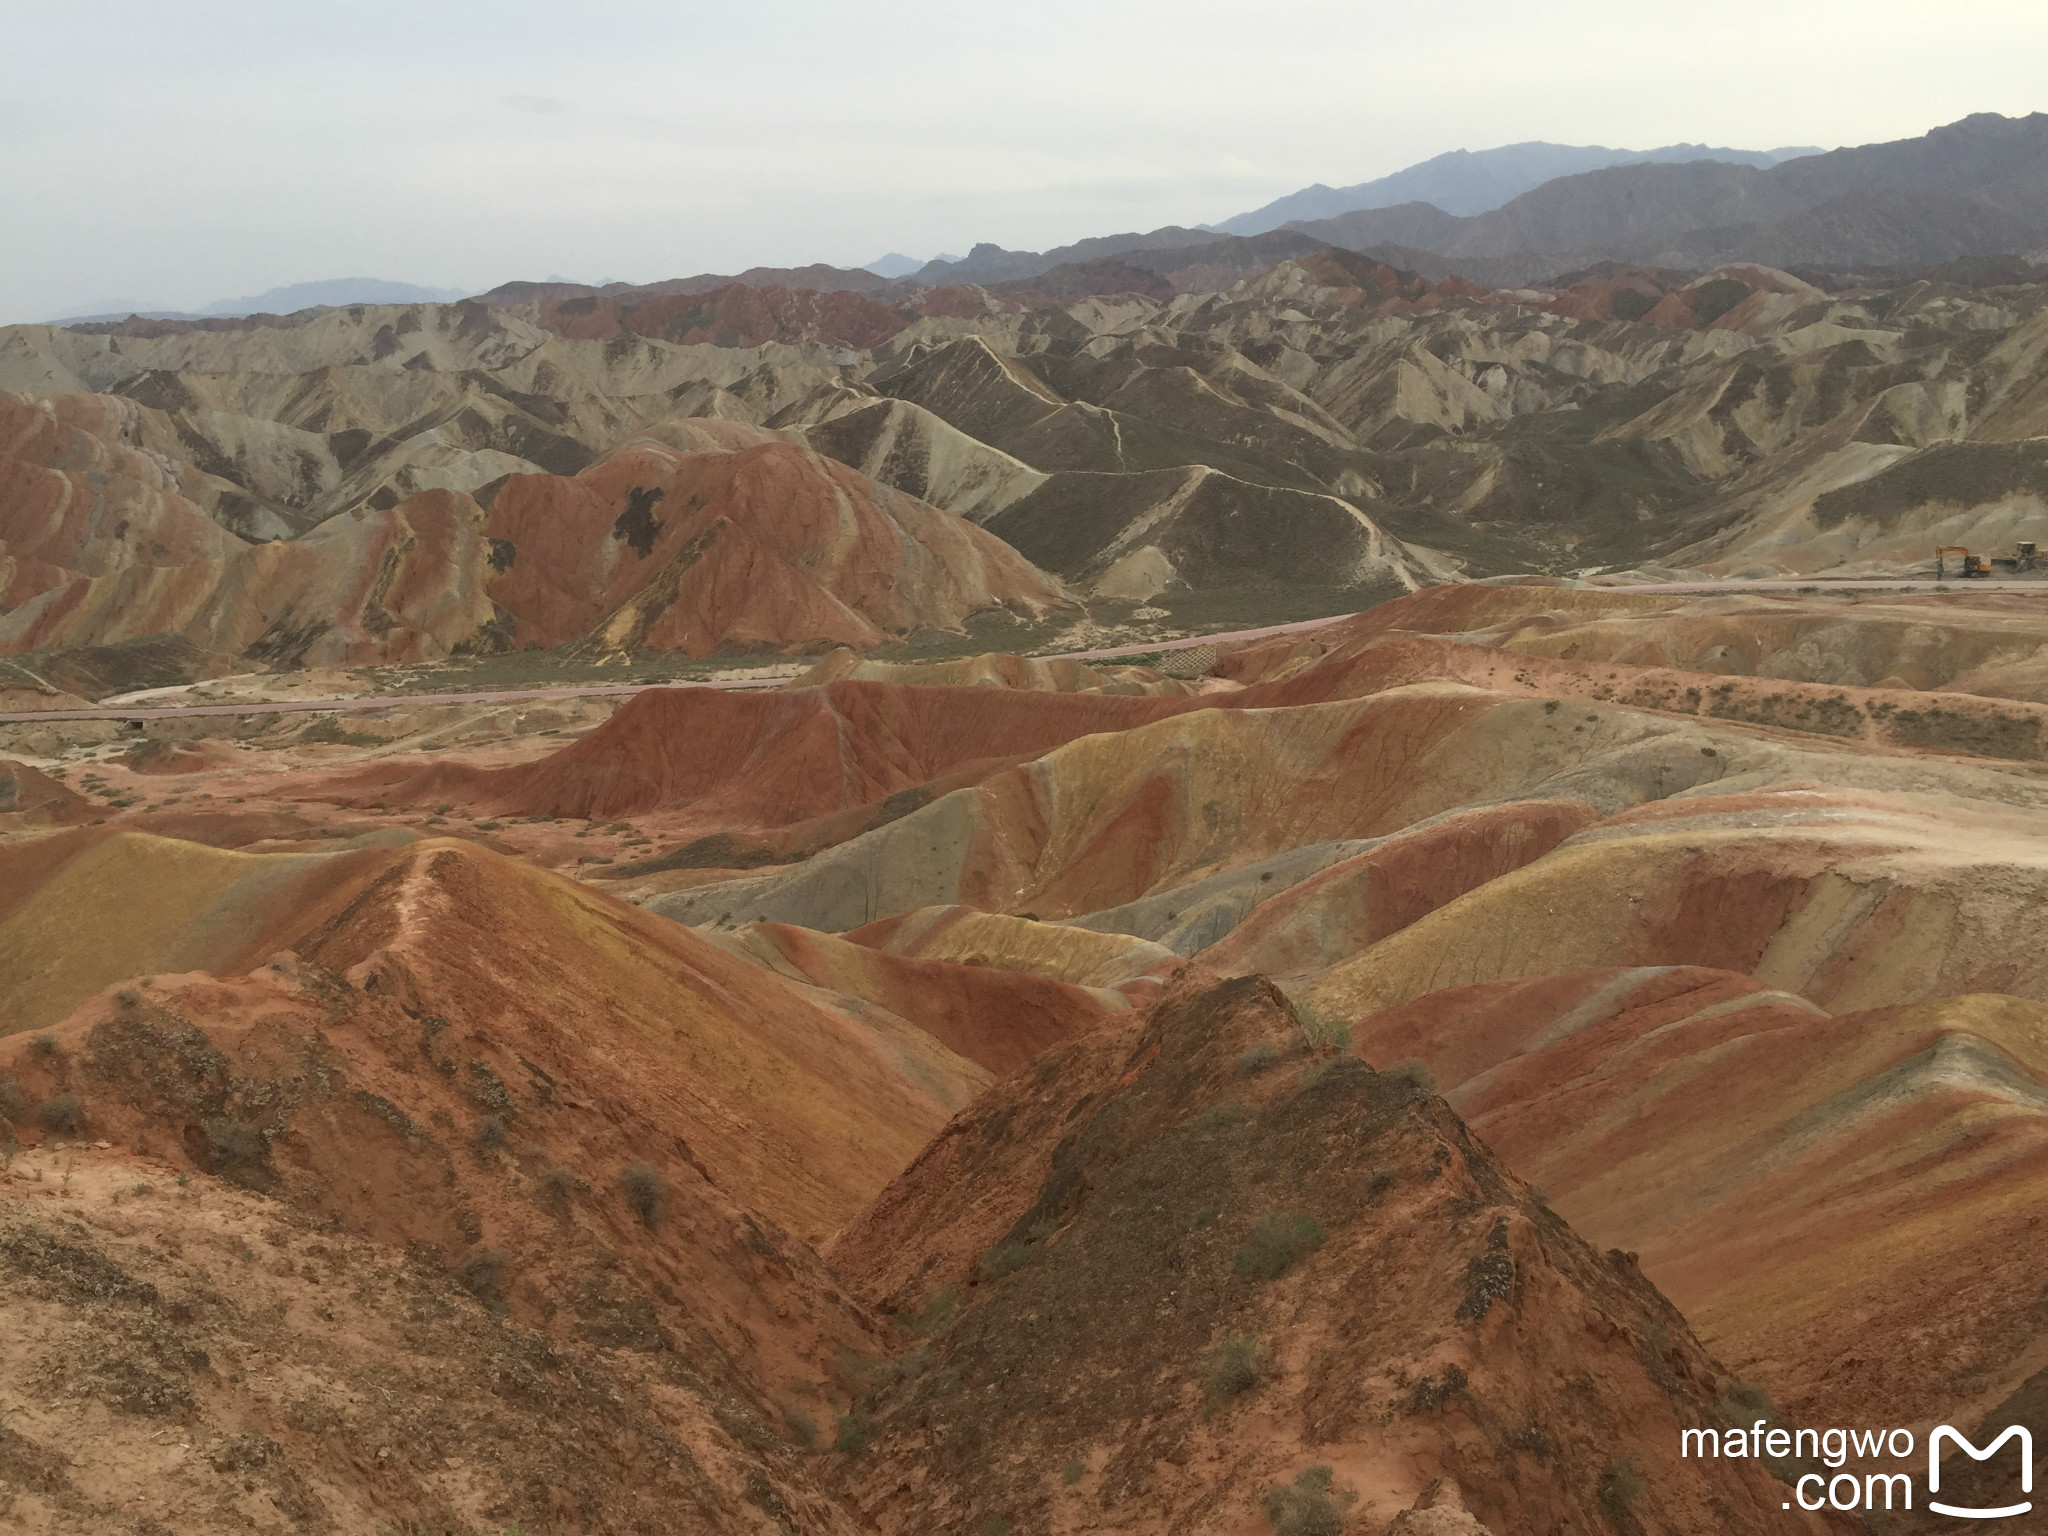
x=178, y=152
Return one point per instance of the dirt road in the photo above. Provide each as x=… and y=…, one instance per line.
x=1956, y=586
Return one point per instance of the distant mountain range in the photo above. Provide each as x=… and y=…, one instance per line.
x=896, y=264
x=1973, y=188
x=1477, y=181
x=1506, y=217
x=292, y=298
x=1977, y=187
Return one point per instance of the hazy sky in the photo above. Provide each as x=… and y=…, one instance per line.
x=175, y=153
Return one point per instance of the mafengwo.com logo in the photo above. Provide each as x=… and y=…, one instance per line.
x=2001, y=1492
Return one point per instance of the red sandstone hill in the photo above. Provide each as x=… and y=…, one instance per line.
x=739, y=539
x=735, y=538
x=30, y=798
x=770, y=759
x=1800, y=1182
x=73, y=500
x=1154, y=1286
x=535, y=1232
x=1690, y=949
x=802, y=1113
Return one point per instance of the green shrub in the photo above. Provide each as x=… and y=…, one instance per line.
x=63, y=1115
x=1258, y=1058
x=482, y=1274
x=1232, y=1368
x=1620, y=1486
x=1319, y=1035
x=644, y=1189
x=936, y=1317
x=1412, y=1074
x=1276, y=1243
x=1006, y=1258
x=14, y=1101
x=913, y=1364
x=1072, y=1473
x=1741, y=1399
x=803, y=1429
x=852, y=1430
x=1432, y=1392
x=1311, y=1507
x=490, y=1133
x=559, y=1186
x=235, y=1143
x=853, y=1373
x=1221, y=1116
x=1316, y=1071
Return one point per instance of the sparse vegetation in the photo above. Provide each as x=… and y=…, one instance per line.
x=1221, y=1116
x=14, y=1101
x=63, y=1115
x=1621, y=1485
x=852, y=1430
x=936, y=1317
x=1312, y=1506
x=558, y=1185
x=1072, y=1473
x=1232, y=1368
x=1006, y=1258
x=490, y=1133
x=1490, y=1275
x=914, y=1363
x=803, y=1429
x=1319, y=1036
x=1276, y=1244
x=1743, y=1400
x=236, y=1144
x=853, y=1373
x=482, y=1274
x=644, y=1189
x=1258, y=1058
x=1432, y=1392
x=1413, y=1075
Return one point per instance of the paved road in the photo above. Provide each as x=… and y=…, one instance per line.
x=1107, y=653
x=1953, y=586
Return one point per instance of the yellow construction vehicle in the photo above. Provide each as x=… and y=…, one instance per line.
x=1973, y=565
x=2023, y=558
